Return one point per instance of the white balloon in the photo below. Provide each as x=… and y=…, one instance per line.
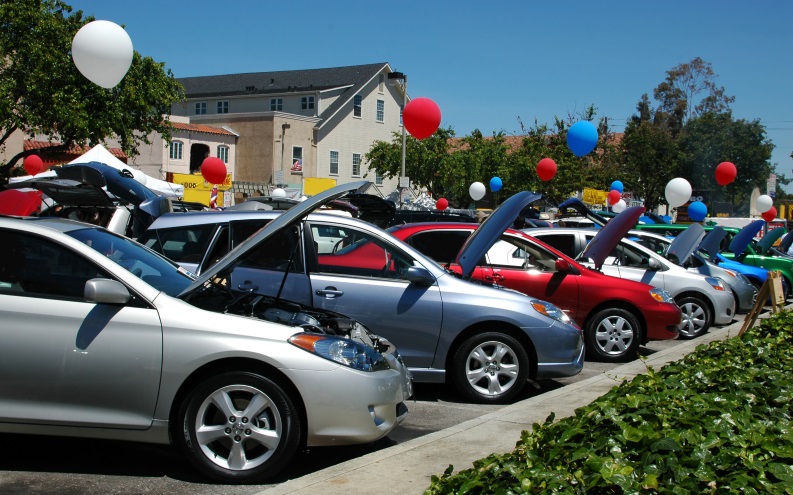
x=764, y=203
x=678, y=192
x=619, y=206
x=102, y=52
x=477, y=191
x=278, y=193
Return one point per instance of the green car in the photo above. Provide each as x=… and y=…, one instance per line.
x=739, y=245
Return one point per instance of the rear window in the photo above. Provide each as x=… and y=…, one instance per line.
x=182, y=244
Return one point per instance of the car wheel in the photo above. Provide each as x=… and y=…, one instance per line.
x=696, y=317
x=613, y=336
x=239, y=428
x=490, y=367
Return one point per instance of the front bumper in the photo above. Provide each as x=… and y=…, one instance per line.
x=662, y=321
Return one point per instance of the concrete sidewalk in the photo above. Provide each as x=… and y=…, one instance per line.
x=408, y=467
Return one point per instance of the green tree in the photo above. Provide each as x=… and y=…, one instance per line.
x=46, y=94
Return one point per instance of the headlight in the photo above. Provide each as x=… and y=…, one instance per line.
x=715, y=283
x=661, y=295
x=343, y=351
x=550, y=311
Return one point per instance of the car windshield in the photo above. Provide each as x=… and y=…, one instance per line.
x=140, y=261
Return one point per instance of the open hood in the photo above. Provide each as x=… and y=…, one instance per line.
x=684, y=245
x=768, y=240
x=288, y=218
x=67, y=192
x=491, y=229
x=579, y=206
x=119, y=183
x=711, y=244
x=784, y=245
x=610, y=235
x=745, y=236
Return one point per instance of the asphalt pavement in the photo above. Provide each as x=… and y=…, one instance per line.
x=407, y=468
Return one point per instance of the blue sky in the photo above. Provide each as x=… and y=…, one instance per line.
x=489, y=65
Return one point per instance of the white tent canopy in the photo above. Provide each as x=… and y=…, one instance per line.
x=100, y=154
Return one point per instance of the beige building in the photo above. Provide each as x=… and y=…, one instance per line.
x=296, y=124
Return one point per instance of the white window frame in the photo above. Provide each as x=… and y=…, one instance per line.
x=276, y=104
x=380, y=111
x=378, y=178
x=223, y=153
x=356, y=164
x=334, y=163
x=357, y=106
x=200, y=108
x=223, y=106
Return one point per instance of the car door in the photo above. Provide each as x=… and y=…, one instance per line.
x=365, y=278
x=65, y=361
x=527, y=267
x=629, y=262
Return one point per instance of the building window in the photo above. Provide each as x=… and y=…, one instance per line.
x=356, y=164
x=297, y=159
x=356, y=105
x=378, y=178
x=307, y=102
x=276, y=104
x=381, y=83
x=334, y=163
x=223, y=153
x=176, y=150
x=201, y=108
x=380, y=110
x=223, y=107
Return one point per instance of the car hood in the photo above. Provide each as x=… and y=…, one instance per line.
x=579, y=206
x=745, y=236
x=768, y=240
x=784, y=244
x=371, y=208
x=610, y=235
x=491, y=229
x=288, y=218
x=684, y=245
x=68, y=192
x=119, y=183
x=711, y=244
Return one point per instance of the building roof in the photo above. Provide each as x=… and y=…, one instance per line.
x=353, y=78
x=51, y=155
x=207, y=129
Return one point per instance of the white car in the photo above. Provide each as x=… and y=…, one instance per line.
x=704, y=300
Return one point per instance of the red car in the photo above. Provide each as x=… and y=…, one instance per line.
x=617, y=315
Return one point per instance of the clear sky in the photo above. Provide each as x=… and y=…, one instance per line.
x=491, y=64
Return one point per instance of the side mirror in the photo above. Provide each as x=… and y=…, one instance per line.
x=106, y=291
x=562, y=266
x=420, y=276
x=654, y=264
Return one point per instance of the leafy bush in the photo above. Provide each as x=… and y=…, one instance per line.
x=717, y=421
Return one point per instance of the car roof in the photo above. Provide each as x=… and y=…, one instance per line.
x=170, y=220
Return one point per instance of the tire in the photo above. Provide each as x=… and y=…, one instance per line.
x=696, y=317
x=491, y=367
x=227, y=442
x=613, y=335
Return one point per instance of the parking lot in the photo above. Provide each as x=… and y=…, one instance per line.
x=45, y=465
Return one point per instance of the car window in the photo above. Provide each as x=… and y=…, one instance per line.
x=561, y=242
x=363, y=255
x=512, y=252
x=280, y=252
x=442, y=246
x=328, y=238
x=182, y=244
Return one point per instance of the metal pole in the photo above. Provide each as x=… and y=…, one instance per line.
x=404, y=103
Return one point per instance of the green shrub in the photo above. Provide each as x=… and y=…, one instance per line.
x=717, y=421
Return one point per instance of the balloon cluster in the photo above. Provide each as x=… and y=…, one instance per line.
x=615, y=197
x=765, y=205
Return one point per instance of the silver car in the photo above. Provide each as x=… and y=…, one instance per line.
x=487, y=341
x=704, y=300
x=96, y=343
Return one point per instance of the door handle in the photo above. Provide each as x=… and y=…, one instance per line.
x=329, y=292
x=495, y=276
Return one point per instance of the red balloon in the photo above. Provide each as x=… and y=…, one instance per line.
x=214, y=170
x=421, y=117
x=546, y=169
x=33, y=164
x=725, y=173
x=614, y=197
x=442, y=204
x=770, y=215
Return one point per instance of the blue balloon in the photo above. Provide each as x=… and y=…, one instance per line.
x=697, y=211
x=617, y=185
x=582, y=137
x=495, y=184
